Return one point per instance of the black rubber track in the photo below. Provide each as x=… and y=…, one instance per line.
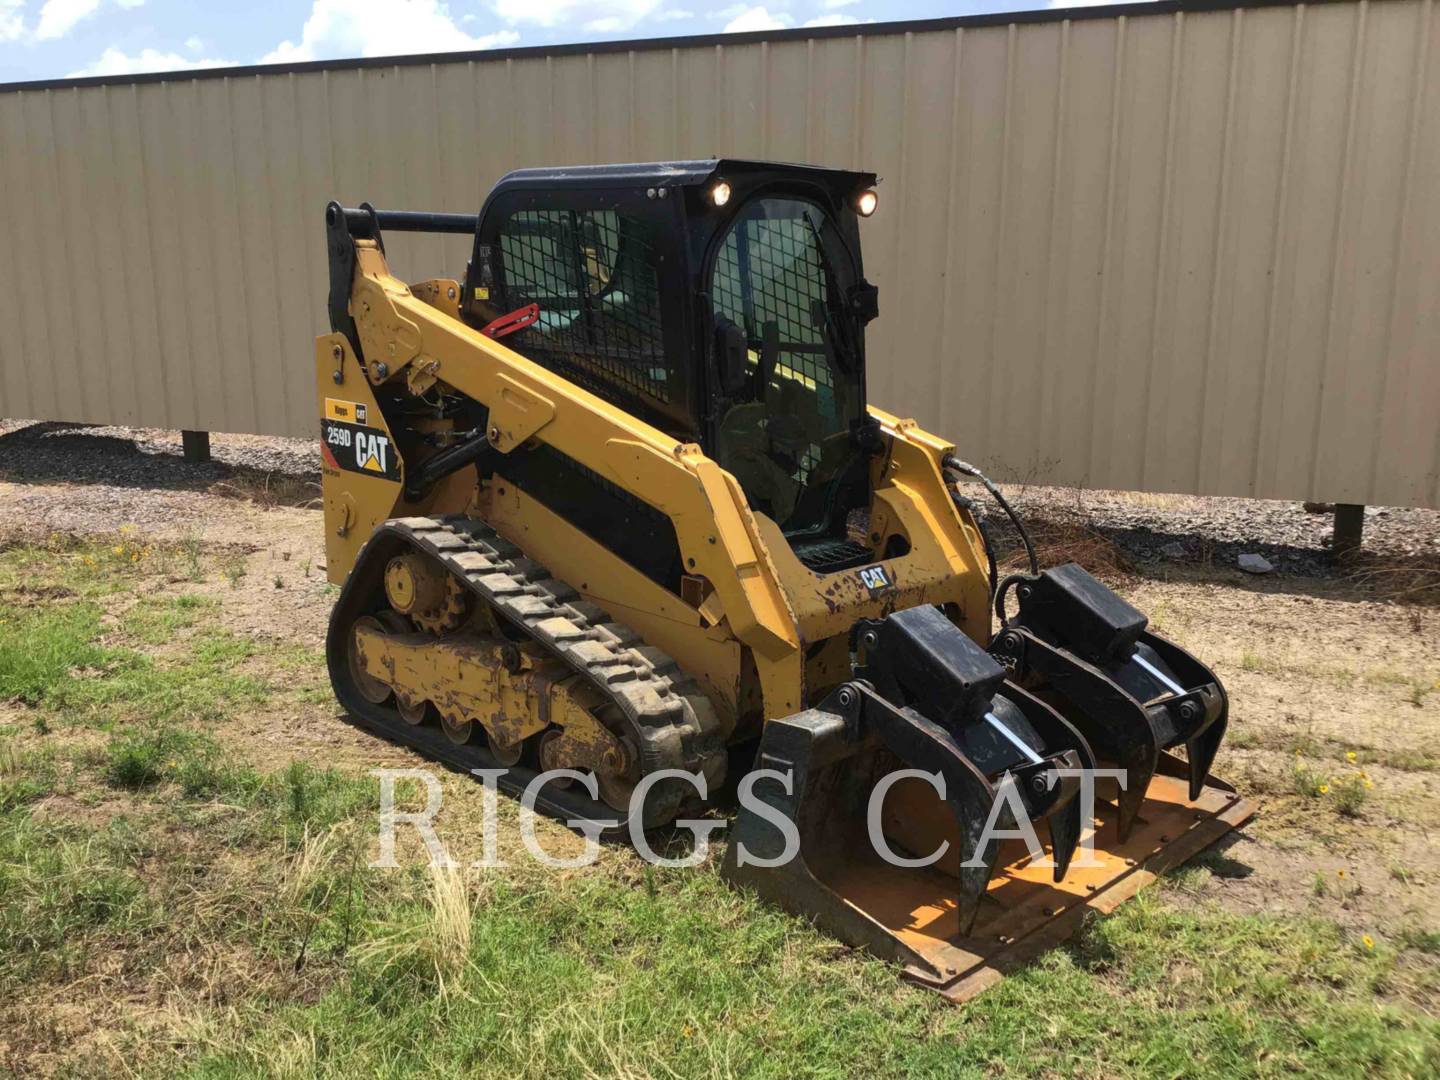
x=666, y=714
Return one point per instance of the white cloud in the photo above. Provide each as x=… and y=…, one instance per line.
x=831, y=20
x=194, y=44
x=597, y=16
x=115, y=62
x=756, y=18
x=345, y=28
x=833, y=4
x=58, y=17
x=12, y=24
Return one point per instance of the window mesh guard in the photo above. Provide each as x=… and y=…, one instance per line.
x=770, y=270
x=594, y=276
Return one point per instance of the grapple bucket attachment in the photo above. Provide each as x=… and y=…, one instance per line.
x=1131, y=693
x=888, y=863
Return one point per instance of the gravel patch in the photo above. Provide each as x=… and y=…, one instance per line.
x=114, y=476
x=144, y=457
x=1213, y=530
x=1397, y=530
x=143, y=470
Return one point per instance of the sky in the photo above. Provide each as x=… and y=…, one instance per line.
x=54, y=39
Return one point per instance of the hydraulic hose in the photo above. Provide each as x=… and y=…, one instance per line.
x=1003, y=591
x=964, y=467
x=965, y=503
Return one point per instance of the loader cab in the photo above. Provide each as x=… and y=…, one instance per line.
x=722, y=301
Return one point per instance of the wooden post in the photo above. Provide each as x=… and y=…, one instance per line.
x=197, y=446
x=1349, y=528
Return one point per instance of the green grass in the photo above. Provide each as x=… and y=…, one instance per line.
x=60, y=887
x=41, y=647
x=155, y=621
x=698, y=980
x=144, y=860
x=143, y=757
x=24, y=776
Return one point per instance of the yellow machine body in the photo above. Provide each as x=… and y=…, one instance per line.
x=470, y=603
x=755, y=602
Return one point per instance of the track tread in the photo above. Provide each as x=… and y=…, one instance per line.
x=674, y=722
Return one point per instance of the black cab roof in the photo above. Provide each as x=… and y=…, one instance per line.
x=697, y=173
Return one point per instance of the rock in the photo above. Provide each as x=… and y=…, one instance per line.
x=1255, y=564
x=1173, y=550
x=1318, y=507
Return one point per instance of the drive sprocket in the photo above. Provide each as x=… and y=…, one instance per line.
x=434, y=599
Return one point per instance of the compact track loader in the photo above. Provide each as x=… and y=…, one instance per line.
x=616, y=503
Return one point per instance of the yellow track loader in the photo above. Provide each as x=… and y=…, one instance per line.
x=615, y=503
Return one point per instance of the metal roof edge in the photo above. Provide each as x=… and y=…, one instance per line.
x=695, y=41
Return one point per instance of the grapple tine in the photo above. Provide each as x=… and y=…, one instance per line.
x=1202, y=716
x=1111, y=721
x=940, y=702
x=1200, y=752
x=1137, y=757
x=1068, y=748
x=974, y=880
x=1065, y=825
x=830, y=753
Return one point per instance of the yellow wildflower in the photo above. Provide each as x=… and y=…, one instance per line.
x=1369, y=941
x=1369, y=784
x=1340, y=872
x=1323, y=789
x=1350, y=756
x=688, y=1031
x=119, y=550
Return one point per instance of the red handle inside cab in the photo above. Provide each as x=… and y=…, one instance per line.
x=518, y=319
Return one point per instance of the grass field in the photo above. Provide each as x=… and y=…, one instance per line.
x=184, y=889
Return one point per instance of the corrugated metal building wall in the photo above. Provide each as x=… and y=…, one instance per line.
x=1160, y=247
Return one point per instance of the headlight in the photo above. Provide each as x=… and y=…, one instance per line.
x=866, y=202
x=720, y=193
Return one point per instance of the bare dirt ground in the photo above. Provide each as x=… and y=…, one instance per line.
x=1330, y=678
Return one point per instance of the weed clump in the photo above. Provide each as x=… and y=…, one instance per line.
x=142, y=758
x=1347, y=793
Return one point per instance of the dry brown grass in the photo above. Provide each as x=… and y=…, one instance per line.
x=439, y=942
x=1062, y=542
x=269, y=489
x=1411, y=580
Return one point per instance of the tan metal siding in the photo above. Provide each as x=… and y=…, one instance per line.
x=1176, y=252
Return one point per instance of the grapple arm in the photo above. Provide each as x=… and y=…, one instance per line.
x=1133, y=693
x=926, y=698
